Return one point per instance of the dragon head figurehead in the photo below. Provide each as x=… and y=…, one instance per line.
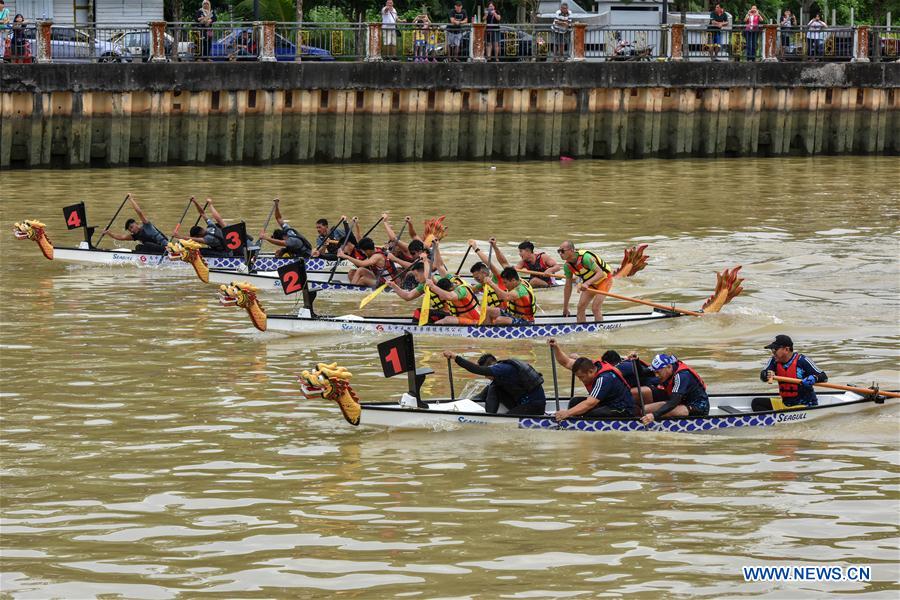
x=34, y=230
x=728, y=287
x=333, y=383
x=434, y=230
x=634, y=260
x=189, y=251
x=243, y=295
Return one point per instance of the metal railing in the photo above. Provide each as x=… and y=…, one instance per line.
x=792, y=43
x=884, y=44
x=17, y=45
x=621, y=43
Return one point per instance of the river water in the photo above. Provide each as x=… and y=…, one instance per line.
x=154, y=445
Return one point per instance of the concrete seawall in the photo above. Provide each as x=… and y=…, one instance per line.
x=149, y=114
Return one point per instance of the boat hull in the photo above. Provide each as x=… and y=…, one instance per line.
x=440, y=415
x=544, y=327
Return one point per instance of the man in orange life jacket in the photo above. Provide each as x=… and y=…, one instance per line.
x=608, y=393
x=787, y=363
x=685, y=390
x=593, y=272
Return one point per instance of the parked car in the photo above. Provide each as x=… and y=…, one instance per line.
x=68, y=44
x=524, y=44
x=137, y=44
x=240, y=43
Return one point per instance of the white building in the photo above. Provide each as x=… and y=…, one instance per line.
x=86, y=12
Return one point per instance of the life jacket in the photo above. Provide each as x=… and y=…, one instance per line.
x=465, y=307
x=528, y=378
x=605, y=367
x=149, y=234
x=357, y=254
x=523, y=307
x=667, y=386
x=582, y=271
x=214, y=238
x=389, y=270
x=540, y=264
x=492, y=298
x=295, y=243
x=788, y=391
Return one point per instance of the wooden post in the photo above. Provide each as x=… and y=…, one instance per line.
x=266, y=33
x=478, y=42
x=770, y=39
x=577, y=54
x=677, y=42
x=158, y=41
x=42, y=41
x=861, y=49
x=373, y=45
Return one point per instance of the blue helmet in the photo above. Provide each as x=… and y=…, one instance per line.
x=661, y=361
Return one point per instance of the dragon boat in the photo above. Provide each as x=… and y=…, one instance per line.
x=245, y=295
x=727, y=411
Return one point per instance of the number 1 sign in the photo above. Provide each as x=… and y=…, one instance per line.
x=397, y=355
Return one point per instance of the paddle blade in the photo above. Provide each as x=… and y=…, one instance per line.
x=484, y=303
x=728, y=287
x=371, y=296
x=424, y=312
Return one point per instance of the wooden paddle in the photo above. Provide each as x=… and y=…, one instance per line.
x=645, y=302
x=835, y=386
x=183, y=215
x=539, y=273
x=340, y=249
x=265, y=227
x=111, y=221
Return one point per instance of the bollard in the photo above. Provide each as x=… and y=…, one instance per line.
x=861, y=49
x=42, y=40
x=577, y=54
x=158, y=41
x=373, y=43
x=265, y=32
x=478, y=42
x=770, y=37
x=677, y=42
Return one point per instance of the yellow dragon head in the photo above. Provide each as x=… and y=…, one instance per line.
x=189, y=251
x=34, y=230
x=634, y=260
x=434, y=230
x=333, y=383
x=728, y=287
x=243, y=295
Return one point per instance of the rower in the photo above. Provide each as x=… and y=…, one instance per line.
x=532, y=261
x=484, y=272
x=422, y=273
x=459, y=299
x=328, y=245
x=211, y=235
x=400, y=248
x=373, y=269
x=416, y=250
x=787, y=363
x=644, y=375
x=593, y=272
x=150, y=239
x=685, y=391
x=514, y=383
x=292, y=244
x=608, y=390
x=519, y=297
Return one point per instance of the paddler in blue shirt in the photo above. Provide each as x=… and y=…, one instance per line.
x=608, y=392
x=291, y=243
x=149, y=238
x=787, y=363
x=517, y=385
x=685, y=391
x=211, y=235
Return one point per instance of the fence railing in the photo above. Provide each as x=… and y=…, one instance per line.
x=416, y=42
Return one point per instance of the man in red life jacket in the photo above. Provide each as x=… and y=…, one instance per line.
x=608, y=393
x=685, y=391
x=371, y=270
x=787, y=363
x=532, y=261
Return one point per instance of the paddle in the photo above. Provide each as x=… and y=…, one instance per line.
x=646, y=303
x=340, y=248
x=111, y=221
x=485, y=288
x=197, y=222
x=380, y=289
x=328, y=235
x=450, y=375
x=635, y=364
x=463, y=261
x=539, y=273
x=835, y=386
x=399, y=235
x=183, y=215
x=572, y=387
x=269, y=218
x=372, y=228
x=555, y=382
x=425, y=310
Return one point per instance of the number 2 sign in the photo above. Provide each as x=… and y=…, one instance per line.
x=396, y=355
x=75, y=216
x=292, y=276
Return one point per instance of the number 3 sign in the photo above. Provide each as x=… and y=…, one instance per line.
x=397, y=355
x=292, y=276
x=235, y=236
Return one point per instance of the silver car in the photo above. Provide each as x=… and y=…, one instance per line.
x=68, y=44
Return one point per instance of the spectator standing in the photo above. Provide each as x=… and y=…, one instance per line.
x=788, y=22
x=718, y=22
x=492, y=19
x=815, y=36
x=4, y=25
x=389, y=29
x=18, y=47
x=421, y=37
x=458, y=17
x=752, y=21
x=204, y=19
x=560, y=28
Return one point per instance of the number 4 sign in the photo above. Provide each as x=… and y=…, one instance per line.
x=75, y=216
x=397, y=355
x=292, y=276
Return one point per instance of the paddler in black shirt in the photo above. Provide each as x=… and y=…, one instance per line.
x=211, y=235
x=292, y=243
x=150, y=239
